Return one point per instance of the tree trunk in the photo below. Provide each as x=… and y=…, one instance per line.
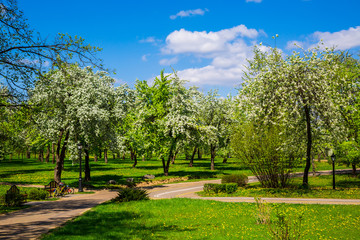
x=313, y=165
x=123, y=157
x=309, y=145
x=174, y=157
x=105, y=156
x=95, y=157
x=53, y=153
x=199, y=154
x=87, y=165
x=60, y=156
x=212, y=149
x=192, y=157
x=28, y=155
x=100, y=154
x=47, y=153
x=225, y=159
x=41, y=155
x=113, y=156
x=118, y=155
x=319, y=156
x=135, y=160
x=353, y=169
x=143, y=158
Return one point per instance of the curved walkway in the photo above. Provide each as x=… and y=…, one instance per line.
x=188, y=190
x=30, y=223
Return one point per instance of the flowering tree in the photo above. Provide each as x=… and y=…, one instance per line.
x=216, y=116
x=165, y=115
x=297, y=92
x=74, y=105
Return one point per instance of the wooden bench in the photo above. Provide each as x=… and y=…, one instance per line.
x=51, y=187
x=12, y=194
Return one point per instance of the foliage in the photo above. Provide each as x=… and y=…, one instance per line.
x=131, y=194
x=165, y=115
x=347, y=187
x=37, y=194
x=13, y=200
x=74, y=105
x=217, y=188
x=261, y=150
x=240, y=179
x=299, y=93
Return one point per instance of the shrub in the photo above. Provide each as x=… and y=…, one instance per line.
x=216, y=188
x=37, y=194
x=14, y=200
x=231, y=187
x=131, y=194
x=240, y=179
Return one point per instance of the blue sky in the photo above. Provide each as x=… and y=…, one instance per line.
x=207, y=42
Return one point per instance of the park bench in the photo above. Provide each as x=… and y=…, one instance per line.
x=51, y=187
x=12, y=194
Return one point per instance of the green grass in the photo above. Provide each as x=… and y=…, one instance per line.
x=31, y=171
x=199, y=219
x=347, y=187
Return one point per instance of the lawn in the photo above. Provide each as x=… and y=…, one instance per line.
x=31, y=171
x=347, y=187
x=199, y=219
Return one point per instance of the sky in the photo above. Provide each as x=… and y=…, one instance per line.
x=206, y=42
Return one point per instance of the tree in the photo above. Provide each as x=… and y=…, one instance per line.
x=297, y=92
x=74, y=105
x=165, y=115
x=24, y=55
x=216, y=118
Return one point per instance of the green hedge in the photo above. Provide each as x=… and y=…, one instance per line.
x=240, y=179
x=217, y=188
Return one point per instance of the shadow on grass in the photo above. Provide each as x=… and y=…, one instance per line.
x=114, y=225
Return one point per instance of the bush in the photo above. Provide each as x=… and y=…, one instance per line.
x=240, y=179
x=131, y=194
x=14, y=200
x=216, y=188
x=231, y=187
x=37, y=194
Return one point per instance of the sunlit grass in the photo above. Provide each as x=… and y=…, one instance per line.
x=199, y=219
x=31, y=171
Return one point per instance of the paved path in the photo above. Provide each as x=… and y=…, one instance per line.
x=188, y=190
x=30, y=223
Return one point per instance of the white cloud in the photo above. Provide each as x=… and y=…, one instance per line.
x=189, y=13
x=150, y=40
x=227, y=50
x=342, y=40
x=255, y=1
x=144, y=57
x=184, y=41
x=168, y=62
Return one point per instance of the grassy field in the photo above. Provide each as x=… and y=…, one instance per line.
x=31, y=171
x=199, y=219
x=347, y=187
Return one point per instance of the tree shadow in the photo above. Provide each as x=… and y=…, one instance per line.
x=115, y=225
